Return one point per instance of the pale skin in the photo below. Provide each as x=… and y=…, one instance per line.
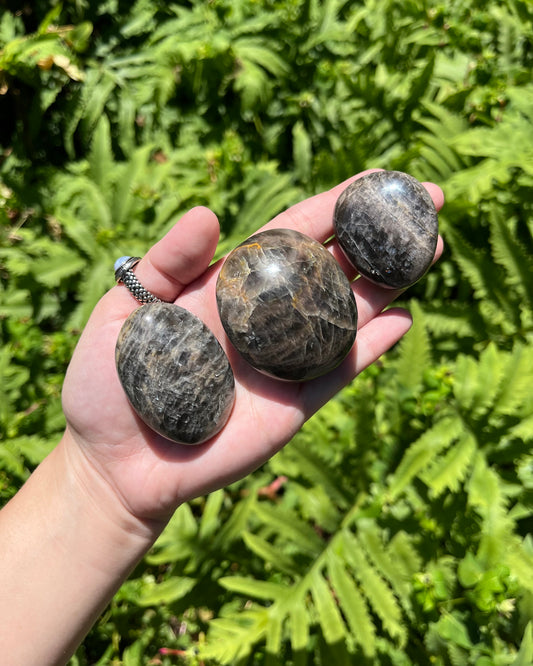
x=98, y=502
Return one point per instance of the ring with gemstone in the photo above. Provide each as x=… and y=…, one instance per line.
x=124, y=273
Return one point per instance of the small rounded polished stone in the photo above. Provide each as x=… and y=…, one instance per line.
x=387, y=226
x=119, y=262
x=175, y=373
x=286, y=305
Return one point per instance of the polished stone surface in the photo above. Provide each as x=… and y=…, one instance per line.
x=175, y=373
x=286, y=305
x=387, y=225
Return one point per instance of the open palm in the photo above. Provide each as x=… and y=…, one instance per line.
x=150, y=475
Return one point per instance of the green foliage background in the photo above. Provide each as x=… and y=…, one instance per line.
x=396, y=527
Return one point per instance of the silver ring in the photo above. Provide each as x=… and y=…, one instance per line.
x=124, y=273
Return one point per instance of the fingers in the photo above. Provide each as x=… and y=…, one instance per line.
x=181, y=256
x=436, y=194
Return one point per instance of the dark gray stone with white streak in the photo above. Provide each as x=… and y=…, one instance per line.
x=175, y=373
x=286, y=305
x=387, y=225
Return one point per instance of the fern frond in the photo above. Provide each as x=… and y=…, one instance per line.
x=232, y=637
x=515, y=386
x=511, y=254
x=211, y=515
x=352, y=605
x=313, y=469
x=523, y=430
x=255, y=589
x=477, y=383
x=299, y=627
x=421, y=453
x=288, y=526
x=485, y=495
x=377, y=592
x=519, y=559
x=476, y=266
x=488, y=284
x=450, y=320
x=402, y=552
x=414, y=352
x=176, y=543
x=270, y=554
x=371, y=539
x=447, y=472
x=326, y=608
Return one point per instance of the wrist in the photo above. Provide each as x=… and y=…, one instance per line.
x=67, y=546
x=98, y=501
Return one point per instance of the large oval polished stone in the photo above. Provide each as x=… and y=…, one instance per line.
x=175, y=373
x=387, y=225
x=286, y=305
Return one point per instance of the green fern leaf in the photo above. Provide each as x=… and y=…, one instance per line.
x=477, y=268
x=302, y=152
x=166, y=592
x=515, y=386
x=372, y=542
x=312, y=468
x=259, y=52
x=11, y=461
x=15, y=303
x=234, y=527
x=374, y=587
x=232, y=637
x=96, y=93
x=450, y=320
x=61, y=263
x=510, y=253
x=414, y=352
x=211, y=515
x=476, y=384
x=177, y=540
x=288, y=526
x=317, y=507
x=487, y=281
x=449, y=470
x=299, y=627
x=123, y=194
x=484, y=491
x=274, y=635
x=255, y=589
x=101, y=155
x=519, y=558
x=271, y=555
x=523, y=430
x=402, y=552
x=485, y=495
x=95, y=283
x=421, y=453
x=33, y=447
x=266, y=196
x=352, y=605
x=328, y=613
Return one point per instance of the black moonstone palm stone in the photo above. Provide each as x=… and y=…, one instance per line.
x=175, y=373
x=286, y=305
x=387, y=226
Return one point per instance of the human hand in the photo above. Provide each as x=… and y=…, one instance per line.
x=146, y=473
